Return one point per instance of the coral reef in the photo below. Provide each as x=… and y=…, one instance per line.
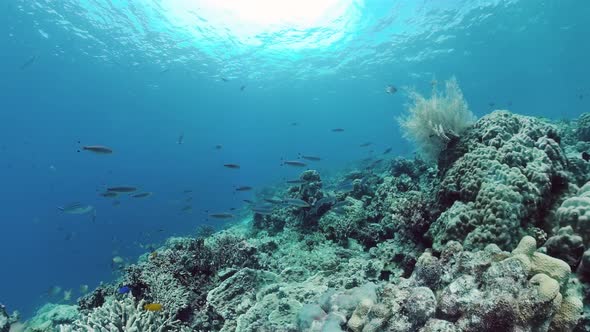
x=567, y=246
x=488, y=290
x=583, y=127
x=9, y=322
x=575, y=212
x=50, y=316
x=504, y=183
x=125, y=316
x=4, y=320
x=485, y=240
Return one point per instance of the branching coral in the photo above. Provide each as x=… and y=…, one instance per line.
x=125, y=316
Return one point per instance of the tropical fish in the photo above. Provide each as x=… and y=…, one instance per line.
x=224, y=79
x=297, y=181
x=188, y=191
x=109, y=194
x=153, y=254
x=243, y=188
x=340, y=204
x=67, y=295
x=273, y=200
x=265, y=205
x=118, y=260
x=221, y=215
x=390, y=89
x=54, y=291
x=187, y=208
x=295, y=163
x=242, y=88
x=328, y=200
x=142, y=195
x=262, y=211
x=339, y=210
x=124, y=290
x=180, y=139
x=28, y=62
x=153, y=307
x=311, y=158
x=218, y=147
x=100, y=149
x=338, y=130
x=364, y=145
x=375, y=163
x=122, y=189
x=324, y=200
x=248, y=201
x=345, y=186
x=297, y=202
x=388, y=150
x=232, y=166
x=84, y=289
x=76, y=208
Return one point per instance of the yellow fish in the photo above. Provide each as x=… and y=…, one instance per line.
x=153, y=307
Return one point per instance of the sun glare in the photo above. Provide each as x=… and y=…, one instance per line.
x=246, y=20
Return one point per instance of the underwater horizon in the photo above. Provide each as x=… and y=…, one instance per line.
x=199, y=110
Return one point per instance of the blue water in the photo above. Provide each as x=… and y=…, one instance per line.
x=136, y=77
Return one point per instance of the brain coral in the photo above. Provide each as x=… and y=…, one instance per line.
x=501, y=183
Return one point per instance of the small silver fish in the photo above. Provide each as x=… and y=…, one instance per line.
x=311, y=158
x=296, y=202
x=264, y=212
x=28, y=62
x=221, y=215
x=142, y=195
x=340, y=204
x=122, y=189
x=99, y=149
x=298, y=181
x=273, y=200
x=76, y=208
x=295, y=163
